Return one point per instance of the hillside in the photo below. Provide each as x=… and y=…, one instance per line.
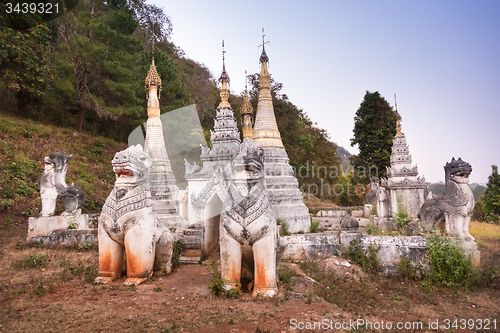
x=23, y=146
x=86, y=71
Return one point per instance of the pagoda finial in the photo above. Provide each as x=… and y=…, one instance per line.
x=153, y=79
x=398, y=118
x=263, y=56
x=246, y=113
x=224, y=80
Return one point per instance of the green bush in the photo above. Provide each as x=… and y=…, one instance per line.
x=176, y=254
x=285, y=274
x=285, y=231
x=448, y=265
x=405, y=269
x=368, y=262
x=218, y=283
x=314, y=227
x=403, y=216
x=35, y=261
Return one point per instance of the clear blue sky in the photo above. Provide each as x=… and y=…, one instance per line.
x=441, y=58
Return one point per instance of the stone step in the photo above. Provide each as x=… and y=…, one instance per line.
x=193, y=232
x=190, y=242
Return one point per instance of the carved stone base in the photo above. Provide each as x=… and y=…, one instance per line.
x=43, y=226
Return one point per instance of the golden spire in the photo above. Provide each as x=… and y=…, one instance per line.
x=246, y=114
x=153, y=84
x=153, y=78
x=398, y=119
x=224, y=79
x=265, y=131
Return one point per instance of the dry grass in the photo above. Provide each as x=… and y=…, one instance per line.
x=486, y=230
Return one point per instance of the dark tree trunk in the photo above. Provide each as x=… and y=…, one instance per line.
x=83, y=109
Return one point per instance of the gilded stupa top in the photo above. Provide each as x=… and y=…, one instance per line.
x=246, y=108
x=398, y=119
x=153, y=78
x=224, y=79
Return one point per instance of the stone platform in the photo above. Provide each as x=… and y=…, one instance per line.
x=54, y=229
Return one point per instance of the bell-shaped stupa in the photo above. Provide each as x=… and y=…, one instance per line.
x=285, y=197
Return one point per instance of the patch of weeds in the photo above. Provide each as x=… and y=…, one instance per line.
x=285, y=228
x=5, y=204
x=95, y=153
x=492, y=276
x=234, y=292
x=373, y=229
x=38, y=244
x=314, y=227
x=35, y=261
x=368, y=262
x=309, y=267
x=93, y=205
x=403, y=216
x=38, y=289
x=132, y=287
x=448, y=264
x=286, y=273
x=73, y=225
x=217, y=284
x=87, y=246
x=90, y=274
x=176, y=254
x=405, y=269
x=84, y=179
x=157, y=289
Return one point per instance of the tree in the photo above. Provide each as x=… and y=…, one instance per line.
x=491, y=196
x=374, y=130
x=23, y=63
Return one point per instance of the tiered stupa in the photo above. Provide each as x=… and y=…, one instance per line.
x=285, y=197
x=205, y=197
x=402, y=183
x=225, y=138
x=163, y=188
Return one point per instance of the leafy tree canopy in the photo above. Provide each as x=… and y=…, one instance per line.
x=491, y=196
x=374, y=130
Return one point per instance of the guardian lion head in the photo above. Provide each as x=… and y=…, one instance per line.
x=458, y=171
x=131, y=166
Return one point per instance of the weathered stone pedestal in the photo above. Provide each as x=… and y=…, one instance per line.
x=54, y=229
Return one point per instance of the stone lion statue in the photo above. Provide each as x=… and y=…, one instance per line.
x=53, y=185
x=456, y=207
x=127, y=223
x=249, y=239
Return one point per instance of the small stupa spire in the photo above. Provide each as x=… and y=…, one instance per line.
x=224, y=80
x=246, y=113
x=265, y=131
x=398, y=119
x=153, y=84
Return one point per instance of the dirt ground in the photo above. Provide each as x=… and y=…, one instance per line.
x=58, y=296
